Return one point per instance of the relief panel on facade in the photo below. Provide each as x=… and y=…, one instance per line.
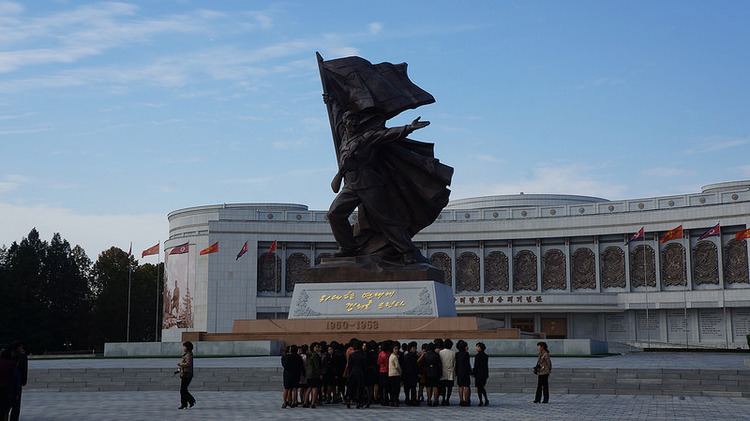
x=269, y=276
x=584, y=269
x=296, y=264
x=642, y=266
x=673, y=266
x=735, y=262
x=706, y=263
x=612, y=262
x=443, y=262
x=496, y=272
x=553, y=270
x=467, y=272
x=524, y=271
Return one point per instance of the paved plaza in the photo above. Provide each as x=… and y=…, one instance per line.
x=227, y=406
x=643, y=360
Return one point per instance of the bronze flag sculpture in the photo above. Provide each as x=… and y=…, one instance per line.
x=396, y=184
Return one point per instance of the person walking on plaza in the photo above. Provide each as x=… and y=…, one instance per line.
x=394, y=374
x=9, y=383
x=186, y=376
x=448, y=359
x=481, y=373
x=463, y=373
x=542, y=370
x=328, y=371
x=432, y=368
x=18, y=354
x=410, y=375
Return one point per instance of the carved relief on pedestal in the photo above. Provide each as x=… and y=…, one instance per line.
x=524, y=271
x=296, y=263
x=269, y=275
x=553, y=270
x=584, y=269
x=496, y=272
x=613, y=267
x=706, y=263
x=443, y=262
x=642, y=266
x=735, y=262
x=467, y=272
x=673, y=266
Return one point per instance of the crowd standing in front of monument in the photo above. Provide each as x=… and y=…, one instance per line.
x=363, y=373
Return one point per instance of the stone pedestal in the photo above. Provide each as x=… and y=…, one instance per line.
x=356, y=300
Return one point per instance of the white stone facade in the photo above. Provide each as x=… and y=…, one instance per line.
x=562, y=261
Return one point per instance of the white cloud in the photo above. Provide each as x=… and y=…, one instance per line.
x=12, y=182
x=489, y=158
x=664, y=172
x=94, y=232
x=717, y=144
x=10, y=8
x=375, y=27
x=744, y=170
x=552, y=179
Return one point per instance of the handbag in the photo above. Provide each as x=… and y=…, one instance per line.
x=536, y=369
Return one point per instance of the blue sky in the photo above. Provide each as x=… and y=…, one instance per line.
x=113, y=114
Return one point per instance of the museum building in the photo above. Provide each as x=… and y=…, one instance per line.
x=558, y=264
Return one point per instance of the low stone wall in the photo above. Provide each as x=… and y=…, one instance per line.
x=675, y=382
x=201, y=349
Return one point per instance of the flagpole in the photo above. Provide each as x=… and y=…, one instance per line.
x=645, y=281
x=130, y=271
x=683, y=271
x=156, y=323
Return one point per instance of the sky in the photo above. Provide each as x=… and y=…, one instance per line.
x=113, y=114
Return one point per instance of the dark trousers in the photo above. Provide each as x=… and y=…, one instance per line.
x=377, y=204
x=410, y=393
x=395, y=387
x=15, y=410
x=542, y=388
x=185, y=396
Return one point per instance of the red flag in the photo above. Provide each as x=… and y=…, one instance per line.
x=712, y=232
x=640, y=234
x=151, y=250
x=742, y=235
x=672, y=234
x=272, y=249
x=242, y=251
x=213, y=248
x=181, y=249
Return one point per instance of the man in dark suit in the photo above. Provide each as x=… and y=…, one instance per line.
x=18, y=353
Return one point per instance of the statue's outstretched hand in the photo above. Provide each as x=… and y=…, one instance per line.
x=326, y=98
x=418, y=124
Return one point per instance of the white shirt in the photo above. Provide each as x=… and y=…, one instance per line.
x=394, y=368
x=448, y=358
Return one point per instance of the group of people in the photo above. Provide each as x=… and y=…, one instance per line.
x=14, y=369
x=361, y=373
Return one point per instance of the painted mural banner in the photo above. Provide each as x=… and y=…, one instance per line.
x=180, y=281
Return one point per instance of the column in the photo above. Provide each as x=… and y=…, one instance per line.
x=453, y=267
x=568, y=269
x=657, y=261
x=510, y=267
x=597, y=269
x=626, y=248
x=481, y=267
x=539, y=265
x=282, y=275
x=688, y=260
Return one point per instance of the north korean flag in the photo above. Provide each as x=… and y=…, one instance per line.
x=242, y=251
x=712, y=232
x=181, y=249
x=640, y=234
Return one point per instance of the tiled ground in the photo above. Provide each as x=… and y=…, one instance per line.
x=678, y=360
x=226, y=406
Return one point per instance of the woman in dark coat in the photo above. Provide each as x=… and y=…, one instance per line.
x=432, y=368
x=292, y=364
x=357, y=364
x=186, y=376
x=481, y=373
x=371, y=370
x=463, y=373
x=411, y=374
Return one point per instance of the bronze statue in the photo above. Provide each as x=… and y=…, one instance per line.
x=396, y=183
